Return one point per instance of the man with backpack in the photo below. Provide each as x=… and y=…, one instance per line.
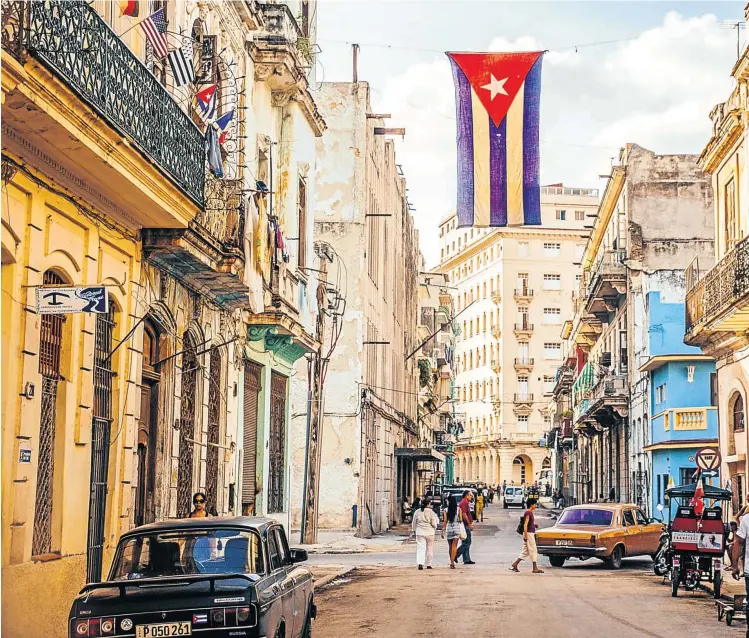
x=527, y=528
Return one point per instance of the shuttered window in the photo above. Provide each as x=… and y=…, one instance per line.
x=252, y=373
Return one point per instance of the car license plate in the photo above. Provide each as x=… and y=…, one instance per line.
x=163, y=630
x=564, y=543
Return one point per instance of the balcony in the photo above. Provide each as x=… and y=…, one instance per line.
x=497, y=407
x=282, y=55
x=718, y=302
x=525, y=437
x=496, y=297
x=496, y=366
x=496, y=330
x=524, y=364
x=523, y=330
x=523, y=294
x=609, y=399
x=523, y=398
x=608, y=282
x=97, y=116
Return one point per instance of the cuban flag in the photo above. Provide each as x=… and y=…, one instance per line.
x=206, y=100
x=223, y=123
x=497, y=99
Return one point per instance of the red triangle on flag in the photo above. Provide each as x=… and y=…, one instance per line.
x=496, y=78
x=206, y=94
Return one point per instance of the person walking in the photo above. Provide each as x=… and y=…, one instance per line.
x=464, y=550
x=451, y=519
x=529, y=539
x=424, y=527
x=480, y=506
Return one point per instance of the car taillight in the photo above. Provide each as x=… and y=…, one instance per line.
x=218, y=617
x=593, y=540
x=94, y=627
x=81, y=628
x=243, y=615
x=107, y=626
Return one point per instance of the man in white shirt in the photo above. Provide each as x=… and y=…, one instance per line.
x=739, y=546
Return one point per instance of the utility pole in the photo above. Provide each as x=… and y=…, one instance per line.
x=314, y=430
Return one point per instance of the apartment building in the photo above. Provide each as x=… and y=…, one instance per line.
x=717, y=319
x=653, y=216
x=370, y=412
x=513, y=288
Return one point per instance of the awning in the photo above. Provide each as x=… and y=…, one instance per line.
x=419, y=454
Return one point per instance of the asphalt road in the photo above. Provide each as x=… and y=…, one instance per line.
x=387, y=596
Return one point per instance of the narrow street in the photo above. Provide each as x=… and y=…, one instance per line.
x=387, y=596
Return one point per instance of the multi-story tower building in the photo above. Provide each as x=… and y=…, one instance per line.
x=513, y=288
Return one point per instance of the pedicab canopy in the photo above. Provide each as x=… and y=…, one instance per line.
x=709, y=492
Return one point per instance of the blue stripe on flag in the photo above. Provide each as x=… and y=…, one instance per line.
x=498, y=172
x=531, y=159
x=465, y=146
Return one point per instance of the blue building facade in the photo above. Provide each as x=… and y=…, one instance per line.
x=680, y=396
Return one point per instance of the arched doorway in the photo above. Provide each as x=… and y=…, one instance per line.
x=188, y=407
x=148, y=424
x=522, y=470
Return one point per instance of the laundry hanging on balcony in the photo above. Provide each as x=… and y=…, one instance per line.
x=213, y=151
x=253, y=245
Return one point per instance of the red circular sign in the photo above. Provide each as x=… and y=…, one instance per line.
x=708, y=458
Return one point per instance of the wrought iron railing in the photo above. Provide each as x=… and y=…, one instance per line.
x=611, y=262
x=723, y=285
x=224, y=213
x=70, y=38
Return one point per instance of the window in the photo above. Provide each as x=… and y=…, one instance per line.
x=578, y=278
x=737, y=413
x=552, y=350
x=579, y=215
x=732, y=220
x=660, y=393
x=552, y=249
x=484, y=290
x=524, y=249
x=552, y=315
x=714, y=389
x=548, y=385
x=442, y=254
x=523, y=350
x=687, y=475
x=547, y=419
x=629, y=518
x=522, y=422
x=562, y=215
x=283, y=548
x=302, y=219
x=552, y=282
x=274, y=555
x=523, y=385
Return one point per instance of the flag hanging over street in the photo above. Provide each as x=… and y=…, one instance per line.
x=497, y=100
x=223, y=123
x=129, y=8
x=154, y=26
x=181, y=61
x=206, y=100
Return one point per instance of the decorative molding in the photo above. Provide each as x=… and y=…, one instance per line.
x=282, y=98
x=285, y=347
x=258, y=332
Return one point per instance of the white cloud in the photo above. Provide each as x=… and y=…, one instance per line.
x=655, y=90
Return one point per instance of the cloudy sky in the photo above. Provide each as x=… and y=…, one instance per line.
x=643, y=72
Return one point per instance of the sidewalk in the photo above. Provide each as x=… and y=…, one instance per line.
x=346, y=543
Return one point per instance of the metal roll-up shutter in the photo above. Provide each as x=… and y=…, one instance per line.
x=252, y=375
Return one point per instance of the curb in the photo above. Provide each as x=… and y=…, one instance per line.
x=319, y=584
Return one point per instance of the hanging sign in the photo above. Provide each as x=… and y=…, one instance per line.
x=708, y=458
x=67, y=299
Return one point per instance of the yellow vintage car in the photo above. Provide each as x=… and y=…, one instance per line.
x=606, y=531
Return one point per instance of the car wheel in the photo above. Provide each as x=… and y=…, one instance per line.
x=717, y=581
x=505, y=504
x=280, y=631
x=675, y=581
x=615, y=560
x=307, y=633
x=557, y=561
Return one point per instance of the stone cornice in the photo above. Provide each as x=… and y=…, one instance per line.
x=719, y=146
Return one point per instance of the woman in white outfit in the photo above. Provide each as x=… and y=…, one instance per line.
x=424, y=526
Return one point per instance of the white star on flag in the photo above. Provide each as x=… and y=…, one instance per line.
x=495, y=86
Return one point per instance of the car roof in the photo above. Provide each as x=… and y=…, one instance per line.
x=603, y=506
x=257, y=523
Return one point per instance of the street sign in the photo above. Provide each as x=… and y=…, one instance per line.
x=67, y=299
x=709, y=473
x=708, y=458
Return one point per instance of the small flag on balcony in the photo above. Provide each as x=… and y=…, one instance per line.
x=223, y=124
x=206, y=100
x=154, y=26
x=182, y=65
x=129, y=8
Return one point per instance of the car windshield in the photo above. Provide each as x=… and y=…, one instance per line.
x=187, y=552
x=586, y=517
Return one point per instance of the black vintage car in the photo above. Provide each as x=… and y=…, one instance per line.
x=205, y=577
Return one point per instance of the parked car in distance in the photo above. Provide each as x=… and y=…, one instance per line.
x=205, y=577
x=457, y=492
x=605, y=531
x=514, y=495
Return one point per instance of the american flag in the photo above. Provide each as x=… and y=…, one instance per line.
x=154, y=26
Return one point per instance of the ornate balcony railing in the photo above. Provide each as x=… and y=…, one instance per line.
x=224, y=213
x=724, y=285
x=71, y=39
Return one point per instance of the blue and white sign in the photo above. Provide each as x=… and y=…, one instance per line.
x=66, y=299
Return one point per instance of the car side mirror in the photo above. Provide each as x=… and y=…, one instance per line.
x=298, y=555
